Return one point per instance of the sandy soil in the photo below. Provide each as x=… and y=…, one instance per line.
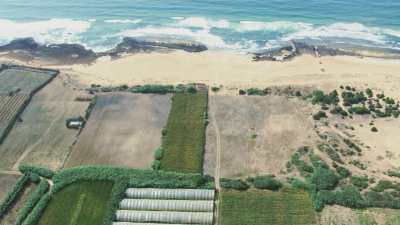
x=124, y=130
x=42, y=137
x=257, y=134
x=228, y=69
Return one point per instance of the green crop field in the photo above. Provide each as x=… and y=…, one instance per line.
x=255, y=207
x=183, y=143
x=78, y=204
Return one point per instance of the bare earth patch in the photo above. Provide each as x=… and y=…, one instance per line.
x=124, y=129
x=257, y=134
x=41, y=136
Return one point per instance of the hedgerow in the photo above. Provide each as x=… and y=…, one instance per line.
x=12, y=195
x=41, y=171
x=117, y=194
x=235, y=184
x=153, y=88
x=36, y=213
x=360, y=182
x=266, y=182
x=324, y=179
x=35, y=197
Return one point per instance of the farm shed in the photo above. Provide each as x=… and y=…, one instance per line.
x=167, y=205
x=187, y=194
x=165, y=217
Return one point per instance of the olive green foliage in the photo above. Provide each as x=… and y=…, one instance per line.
x=36, y=213
x=258, y=207
x=90, y=107
x=358, y=164
x=266, y=182
x=351, y=98
x=158, y=154
x=117, y=194
x=255, y=91
x=41, y=171
x=374, y=129
x=360, y=182
x=153, y=88
x=384, y=185
x=299, y=184
x=303, y=167
x=348, y=196
x=156, y=165
x=319, y=115
x=13, y=194
x=332, y=153
x=339, y=110
x=35, y=197
x=369, y=93
x=343, y=172
x=324, y=179
x=235, y=184
x=360, y=110
x=319, y=97
x=184, y=141
x=215, y=89
x=352, y=145
x=393, y=173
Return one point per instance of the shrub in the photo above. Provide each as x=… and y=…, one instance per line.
x=41, y=171
x=158, y=154
x=369, y=93
x=319, y=115
x=234, y=184
x=117, y=194
x=13, y=194
x=153, y=88
x=360, y=182
x=374, y=129
x=316, y=161
x=242, y=92
x=339, y=110
x=90, y=107
x=34, y=178
x=156, y=165
x=299, y=184
x=321, y=98
x=302, y=166
x=350, y=98
x=343, y=172
x=384, y=185
x=35, y=197
x=331, y=153
x=360, y=110
x=34, y=216
x=393, y=174
x=215, y=89
x=255, y=91
x=350, y=197
x=267, y=182
x=324, y=179
x=358, y=164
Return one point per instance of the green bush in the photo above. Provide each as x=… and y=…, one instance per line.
x=255, y=91
x=267, y=182
x=374, y=129
x=384, y=185
x=331, y=153
x=156, y=165
x=117, y=194
x=339, y=110
x=13, y=194
x=324, y=179
x=153, y=88
x=34, y=216
x=358, y=164
x=360, y=110
x=299, y=184
x=393, y=174
x=35, y=197
x=360, y=182
x=319, y=97
x=242, y=92
x=319, y=115
x=381, y=200
x=41, y=171
x=234, y=184
x=90, y=107
x=350, y=98
x=369, y=93
x=215, y=89
x=316, y=161
x=158, y=154
x=343, y=172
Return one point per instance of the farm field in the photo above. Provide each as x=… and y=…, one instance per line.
x=41, y=136
x=255, y=207
x=257, y=134
x=6, y=183
x=12, y=213
x=78, y=203
x=25, y=79
x=124, y=129
x=183, y=143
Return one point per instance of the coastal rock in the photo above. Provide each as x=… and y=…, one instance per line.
x=132, y=45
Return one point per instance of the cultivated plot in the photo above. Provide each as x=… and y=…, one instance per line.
x=41, y=137
x=124, y=129
x=288, y=206
x=255, y=134
x=7, y=182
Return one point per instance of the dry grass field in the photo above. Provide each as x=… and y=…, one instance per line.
x=41, y=136
x=257, y=134
x=6, y=183
x=124, y=129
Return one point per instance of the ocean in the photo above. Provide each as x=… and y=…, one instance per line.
x=234, y=25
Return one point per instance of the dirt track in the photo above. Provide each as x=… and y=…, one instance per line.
x=124, y=129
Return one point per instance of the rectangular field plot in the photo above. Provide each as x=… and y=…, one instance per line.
x=166, y=206
x=81, y=203
x=25, y=80
x=41, y=137
x=6, y=184
x=183, y=144
x=124, y=129
x=253, y=207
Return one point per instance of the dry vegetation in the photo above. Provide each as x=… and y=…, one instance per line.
x=41, y=136
x=258, y=133
x=124, y=129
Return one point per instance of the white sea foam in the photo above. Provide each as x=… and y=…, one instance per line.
x=123, y=21
x=202, y=36
x=177, y=18
x=245, y=26
x=47, y=31
x=354, y=31
x=204, y=23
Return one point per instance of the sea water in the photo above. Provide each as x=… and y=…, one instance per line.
x=238, y=25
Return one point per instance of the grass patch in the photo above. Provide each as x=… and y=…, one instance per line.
x=184, y=138
x=289, y=206
x=78, y=204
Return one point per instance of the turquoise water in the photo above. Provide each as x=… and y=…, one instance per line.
x=240, y=25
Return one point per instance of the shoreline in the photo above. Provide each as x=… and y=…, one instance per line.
x=232, y=70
